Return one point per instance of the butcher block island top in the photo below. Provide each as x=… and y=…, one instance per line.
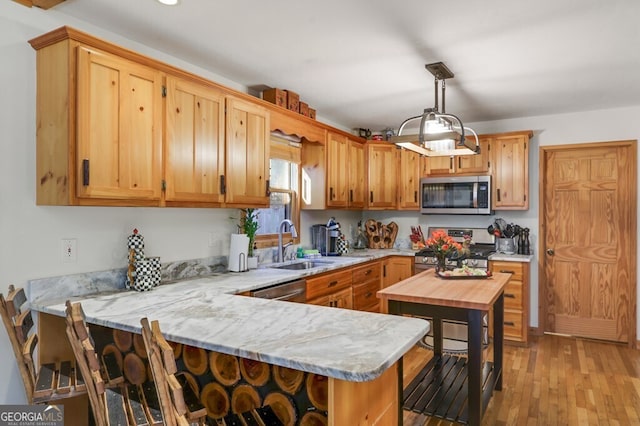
x=344, y=344
x=466, y=293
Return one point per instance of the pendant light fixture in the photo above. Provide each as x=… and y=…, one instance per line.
x=440, y=134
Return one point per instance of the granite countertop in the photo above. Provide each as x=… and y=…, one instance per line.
x=512, y=257
x=206, y=312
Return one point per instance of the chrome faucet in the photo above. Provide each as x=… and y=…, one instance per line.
x=294, y=234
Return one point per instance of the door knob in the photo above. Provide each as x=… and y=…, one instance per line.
x=550, y=252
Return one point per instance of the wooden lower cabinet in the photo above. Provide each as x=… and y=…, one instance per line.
x=365, y=403
x=331, y=289
x=516, y=300
x=366, y=283
x=396, y=269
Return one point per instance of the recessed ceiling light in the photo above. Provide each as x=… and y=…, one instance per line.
x=169, y=2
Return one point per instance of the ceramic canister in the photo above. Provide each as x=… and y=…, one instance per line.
x=147, y=274
x=135, y=246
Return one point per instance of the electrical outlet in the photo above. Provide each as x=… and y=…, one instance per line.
x=69, y=250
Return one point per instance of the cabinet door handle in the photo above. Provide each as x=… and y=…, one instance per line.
x=85, y=172
x=223, y=185
x=331, y=193
x=351, y=195
x=498, y=190
x=371, y=196
x=368, y=272
x=415, y=196
x=510, y=295
x=509, y=323
x=450, y=163
x=268, y=189
x=368, y=295
x=507, y=272
x=459, y=162
x=384, y=270
x=333, y=283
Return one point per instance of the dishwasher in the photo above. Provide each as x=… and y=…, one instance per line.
x=291, y=291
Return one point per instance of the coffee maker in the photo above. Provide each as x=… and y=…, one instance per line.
x=324, y=238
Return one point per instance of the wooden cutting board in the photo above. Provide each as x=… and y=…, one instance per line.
x=380, y=236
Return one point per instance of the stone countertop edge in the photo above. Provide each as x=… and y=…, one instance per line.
x=512, y=257
x=206, y=312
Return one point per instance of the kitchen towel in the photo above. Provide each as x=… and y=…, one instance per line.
x=238, y=252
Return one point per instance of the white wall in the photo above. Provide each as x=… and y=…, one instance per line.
x=30, y=235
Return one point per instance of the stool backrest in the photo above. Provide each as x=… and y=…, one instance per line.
x=24, y=340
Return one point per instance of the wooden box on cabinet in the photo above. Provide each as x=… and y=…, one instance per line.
x=304, y=109
x=293, y=101
x=275, y=96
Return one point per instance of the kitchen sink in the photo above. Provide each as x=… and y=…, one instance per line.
x=304, y=264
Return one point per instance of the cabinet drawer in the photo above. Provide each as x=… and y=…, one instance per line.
x=513, y=295
x=369, y=272
x=513, y=326
x=328, y=284
x=515, y=268
x=364, y=295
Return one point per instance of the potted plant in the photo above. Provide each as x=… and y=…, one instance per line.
x=249, y=225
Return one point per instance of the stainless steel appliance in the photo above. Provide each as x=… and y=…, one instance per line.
x=325, y=238
x=455, y=333
x=455, y=195
x=292, y=291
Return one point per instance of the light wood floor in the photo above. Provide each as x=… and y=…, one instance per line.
x=556, y=381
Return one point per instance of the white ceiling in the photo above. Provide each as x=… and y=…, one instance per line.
x=360, y=63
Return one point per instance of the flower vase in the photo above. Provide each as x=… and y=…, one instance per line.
x=441, y=265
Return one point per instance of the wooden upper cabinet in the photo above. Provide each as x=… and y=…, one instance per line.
x=357, y=173
x=98, y=126
x=337, y=170
x=247, y=153
x=381, y=175
x=408, y=180
x=195, y=149
x=119, y=128
x=477, y=164
x=510, y=171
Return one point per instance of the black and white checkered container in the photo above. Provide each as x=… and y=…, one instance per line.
x=147, y=274
x=135, y=243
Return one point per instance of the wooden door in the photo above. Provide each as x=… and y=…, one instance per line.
x=195, y=142
x=588, y=252
x=247, y=149
x=510, y=169
x=119, y=142
x=409, y=180
x=337, y=170
x=396, y=269
x=381, y=175
x=357, y=175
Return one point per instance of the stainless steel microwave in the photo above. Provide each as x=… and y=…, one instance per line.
x=455, y=195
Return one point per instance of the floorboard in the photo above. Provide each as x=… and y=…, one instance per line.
x=556, y=380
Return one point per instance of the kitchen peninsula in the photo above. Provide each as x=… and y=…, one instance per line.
x=358, y=352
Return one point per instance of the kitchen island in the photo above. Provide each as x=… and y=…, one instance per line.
x=451, y=387
x=358, y=352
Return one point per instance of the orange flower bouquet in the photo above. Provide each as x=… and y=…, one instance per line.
x=443, y=246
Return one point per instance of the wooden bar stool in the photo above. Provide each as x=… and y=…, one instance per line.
x=50, y=382
x=113, y=402
x=180, y=405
